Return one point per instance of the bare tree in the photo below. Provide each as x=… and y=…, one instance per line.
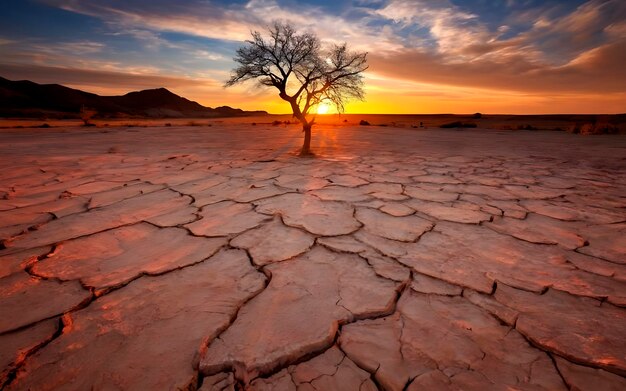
x=319, y=75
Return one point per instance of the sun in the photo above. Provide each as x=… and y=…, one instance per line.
x=323, y=108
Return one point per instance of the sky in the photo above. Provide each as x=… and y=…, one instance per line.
x=425, y=56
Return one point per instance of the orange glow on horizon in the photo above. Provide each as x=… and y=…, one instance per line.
x=394, y=96
x=456, y=102
x=385, y=95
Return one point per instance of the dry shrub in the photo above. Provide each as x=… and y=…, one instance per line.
x=526, y=127
x=86, y=114
x=593, y=128
x=459, y=124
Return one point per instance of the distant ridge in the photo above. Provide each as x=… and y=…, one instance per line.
x=28, y=99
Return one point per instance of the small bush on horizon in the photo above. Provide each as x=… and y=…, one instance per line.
x=593, y=129
x=608, y=129
x=458, y=124
x=364, y=123
x=86, y=115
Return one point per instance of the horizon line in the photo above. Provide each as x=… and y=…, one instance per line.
x=478, y=112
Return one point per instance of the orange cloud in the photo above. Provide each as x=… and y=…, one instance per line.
x=598, y=70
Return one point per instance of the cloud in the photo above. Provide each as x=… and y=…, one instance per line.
x=196, y=17
x=582, y=51
x=458, y=35
x=549, y=35
x=207, y=55
x=71, y=55
x=597, y=70
x=451, y=28
x=73, y=47
x=230, y=22
x=591, y=24
x=149, y=39
x=96, y=78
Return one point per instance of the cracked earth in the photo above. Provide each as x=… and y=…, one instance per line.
x=215, y=259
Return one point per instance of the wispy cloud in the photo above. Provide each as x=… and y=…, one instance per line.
x=450, y=28
x=196, y=18
x=600, y=69
x=230, y=22
x=75, y=47
x=97, y=78
x=207, y=55
x=592, y=24
x=582, y=51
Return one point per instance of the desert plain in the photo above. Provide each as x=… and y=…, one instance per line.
x=213, y=257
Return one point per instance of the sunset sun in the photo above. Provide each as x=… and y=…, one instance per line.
x=323, y=108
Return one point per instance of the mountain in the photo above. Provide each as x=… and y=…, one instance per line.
x=27, y=99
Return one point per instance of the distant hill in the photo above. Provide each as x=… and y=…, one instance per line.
x=27, y=99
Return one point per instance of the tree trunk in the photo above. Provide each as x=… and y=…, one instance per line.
x=306, y=146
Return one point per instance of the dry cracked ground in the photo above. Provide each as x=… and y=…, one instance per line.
x=214, y=258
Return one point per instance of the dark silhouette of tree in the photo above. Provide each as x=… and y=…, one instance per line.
x=304, y=73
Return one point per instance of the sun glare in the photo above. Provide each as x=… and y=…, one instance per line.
x=323, y=108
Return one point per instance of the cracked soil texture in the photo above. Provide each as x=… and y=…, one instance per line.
x=213, y=258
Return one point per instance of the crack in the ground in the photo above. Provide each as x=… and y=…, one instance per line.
x=599, y=257
x=558, y=371
x=17, y=365
x=234, y=366
x=95, y=293
x=532, y=343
